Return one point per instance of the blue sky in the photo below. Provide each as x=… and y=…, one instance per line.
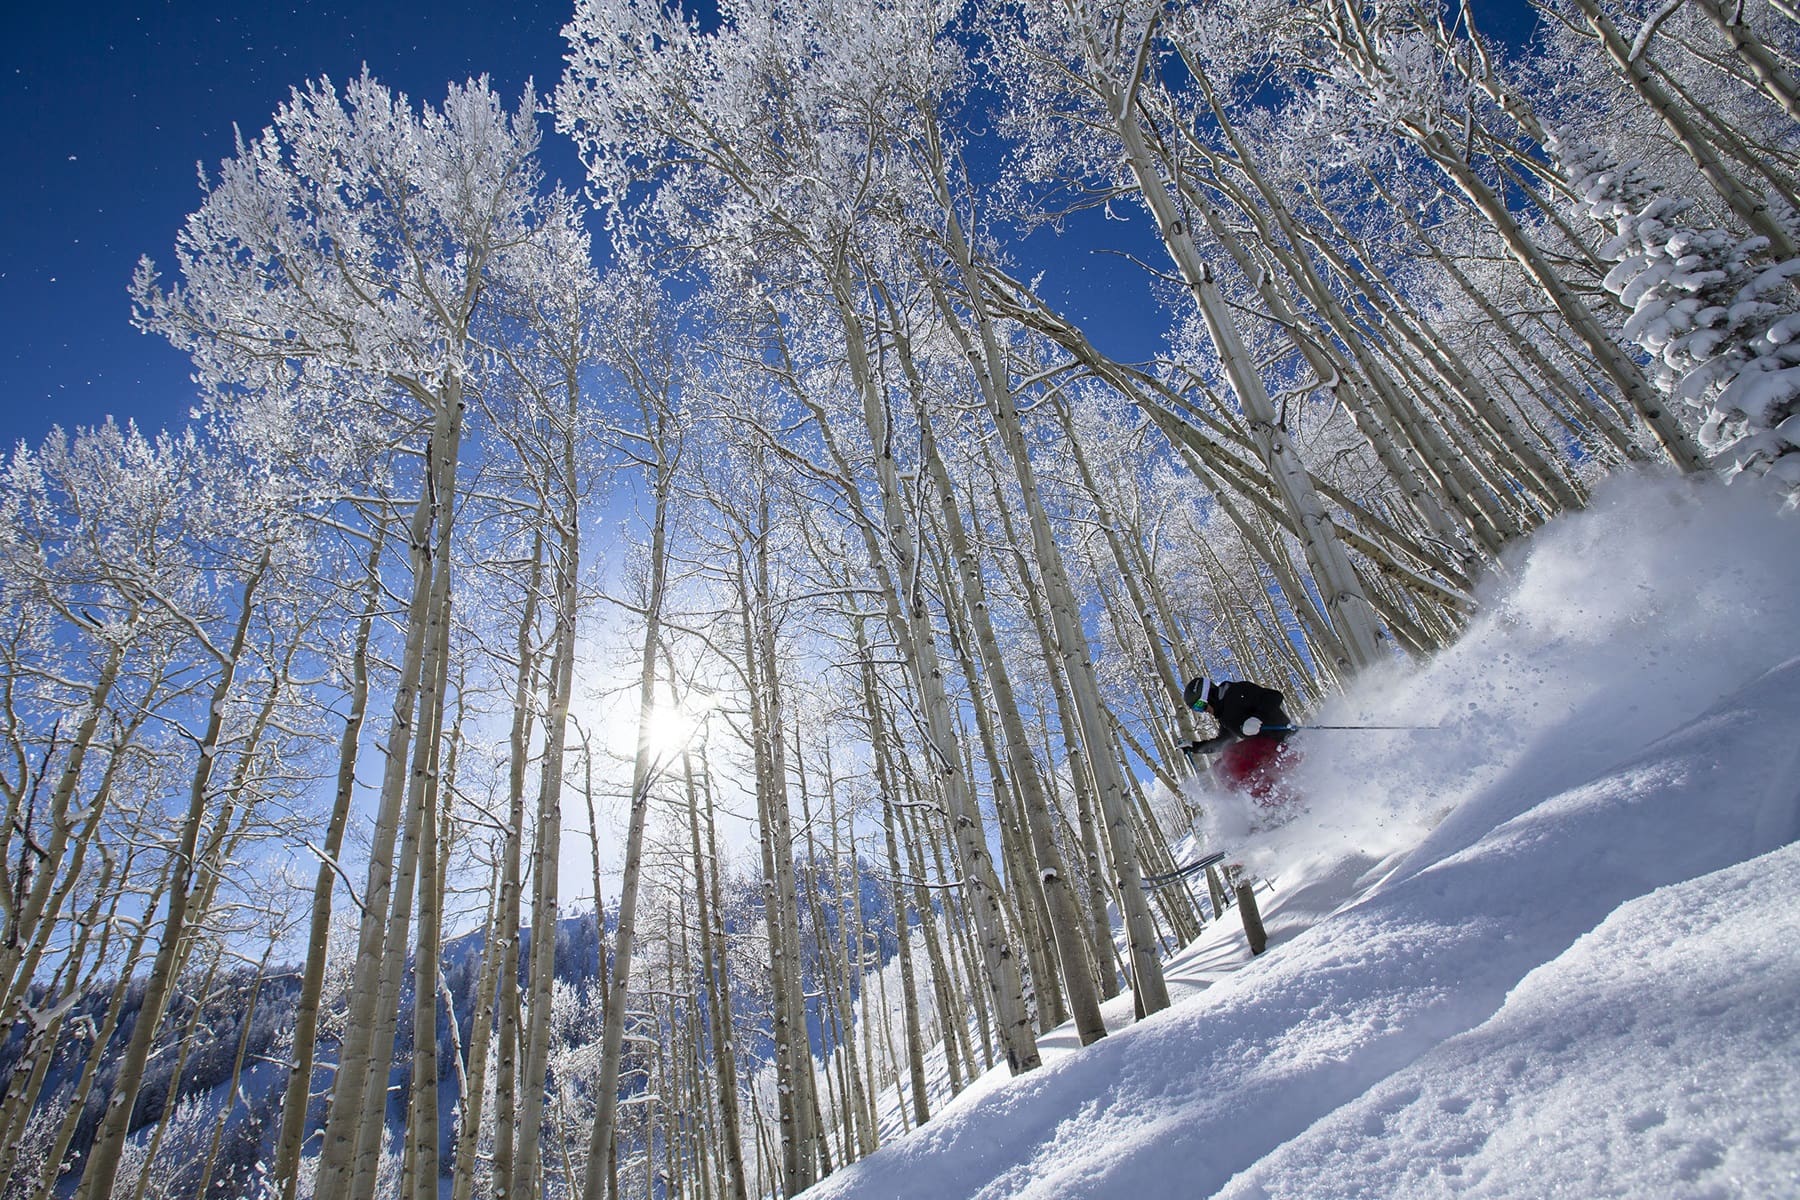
x=108, y=108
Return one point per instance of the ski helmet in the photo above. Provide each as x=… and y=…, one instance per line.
x=1194, y=695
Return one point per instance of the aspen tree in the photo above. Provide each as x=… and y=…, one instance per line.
x=601, y=99
x=1060, y=904
x=873, y=714
x=510, y=915
x=103, y=1159
x=298, y=1095
x=421, y=1179
x=556, y=289
x=1360, y=49
x=1098, y=926
x=716, y=986
x=894, y=560
x=644, y=772
x=1111, y=67
x=381, y=220
x=468, y=1135
x=1021, y=861
x=1751, y=208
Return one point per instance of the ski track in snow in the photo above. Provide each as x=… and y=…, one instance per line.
x=1506, y=1005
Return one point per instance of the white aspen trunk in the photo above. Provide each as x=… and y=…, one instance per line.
x=372, y=1128
x=544, y=901
x=1776, y=81
x=809, y=1148
x=891, y=1060
x=777, y=860
x=49, y=916
x=419, y=828
x=48, y=920
x=1021, y=861
x=885, y=785
x=511, y=919
x=1649, y=404
x=1549, y=374
x=134, y=954
x=1750, y=208
x=44, y=1038
x=1071, y=639
x=298, y=1095
x=859, y=1137
x=952, y=1023
x=1126, y=563
x=1424, y=491
x=338, y=1154
x=1351, y=40
x=1051, y=878
x=420, y=1182
x=912, y=627
x=716, y=984
x=103, y=1159
x=468, y=1136
x=601, y=1138
x=964, y=965
x=1372, y=415
x=1336, y=578
x=1097, y=927
x=832, y=1101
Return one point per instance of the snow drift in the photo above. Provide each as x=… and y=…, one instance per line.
x=1547, y=947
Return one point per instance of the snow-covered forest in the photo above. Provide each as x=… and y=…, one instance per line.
x=662, y=690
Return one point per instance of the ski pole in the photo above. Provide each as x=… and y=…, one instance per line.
x=1296, y=728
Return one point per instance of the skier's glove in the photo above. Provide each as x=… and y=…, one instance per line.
x=1252, y=727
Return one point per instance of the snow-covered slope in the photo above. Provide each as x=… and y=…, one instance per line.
x=1547, y=948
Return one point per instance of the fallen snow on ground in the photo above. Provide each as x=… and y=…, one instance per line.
x=1545, y=948
x=1654, y=1057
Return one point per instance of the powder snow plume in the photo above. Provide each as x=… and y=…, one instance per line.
x=1546, y=947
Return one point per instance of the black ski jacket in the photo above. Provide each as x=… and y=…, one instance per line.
x=1232, y=702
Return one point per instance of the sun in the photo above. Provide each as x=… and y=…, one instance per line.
x=673, y=726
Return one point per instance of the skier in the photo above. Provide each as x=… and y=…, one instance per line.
x=1252, y=728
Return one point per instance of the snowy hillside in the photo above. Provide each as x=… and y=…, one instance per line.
x=1551, y=947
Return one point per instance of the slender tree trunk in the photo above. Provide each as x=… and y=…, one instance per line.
x=544, y=901
x=103, y=1159
x=1059, y=902
x=1337, y=581
x=298, y=1095
x=716, y=985
x=434, y=513
x=511, y=916
x=643, y=777
x=912, y=627
x=909, y=995
x=468, y=1134
x=422, y=1107
x=1750, y=208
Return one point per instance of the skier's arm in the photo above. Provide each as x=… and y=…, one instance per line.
x=1211, y=745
